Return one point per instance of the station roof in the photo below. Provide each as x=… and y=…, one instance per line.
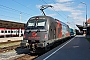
x=11, y=24
x=80, y=27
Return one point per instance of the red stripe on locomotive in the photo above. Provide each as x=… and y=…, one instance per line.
x=59, y=27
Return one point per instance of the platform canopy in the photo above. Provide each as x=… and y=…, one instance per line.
x=80, y=27
x=11, y=24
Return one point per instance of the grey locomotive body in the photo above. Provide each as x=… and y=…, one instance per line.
x=43, y=32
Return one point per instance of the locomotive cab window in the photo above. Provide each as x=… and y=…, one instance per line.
x=36, y=24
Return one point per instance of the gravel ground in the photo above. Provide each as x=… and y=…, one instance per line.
x=26, y=57
x=9, y=55
x=17, y=54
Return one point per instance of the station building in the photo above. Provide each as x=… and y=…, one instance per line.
x=85, y=29
x=10, y=24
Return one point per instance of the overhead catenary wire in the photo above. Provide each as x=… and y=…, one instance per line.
x=11, y=11
x=7, y=11
x=59, y=8
x=24, y=6
x=14, y=10
x=9, y=16
x=54, y=10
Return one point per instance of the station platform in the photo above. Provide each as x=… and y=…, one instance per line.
x=77, y=48
x=10, y=39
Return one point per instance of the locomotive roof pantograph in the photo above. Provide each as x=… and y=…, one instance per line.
x=43, y=7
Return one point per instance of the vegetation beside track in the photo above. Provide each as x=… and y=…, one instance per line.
x=7, y=46
x=88, y=39
x=11, y=43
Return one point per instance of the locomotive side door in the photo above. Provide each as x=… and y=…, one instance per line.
x=52, y=33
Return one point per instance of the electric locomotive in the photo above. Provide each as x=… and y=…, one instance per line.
x=41, y=32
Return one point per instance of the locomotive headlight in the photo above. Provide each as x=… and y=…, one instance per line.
x=45, y=36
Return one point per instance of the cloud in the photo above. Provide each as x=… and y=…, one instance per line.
x=38, y=6
x=70, y=9
x=80, y=6
x=74, y=12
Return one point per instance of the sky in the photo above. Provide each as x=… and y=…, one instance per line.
x=71, y=12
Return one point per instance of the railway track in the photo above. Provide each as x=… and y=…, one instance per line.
x=7, y=46
x=13, y=52
x=27, y=57
x=6, y=49
x=17, y=53
x=32, y=57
